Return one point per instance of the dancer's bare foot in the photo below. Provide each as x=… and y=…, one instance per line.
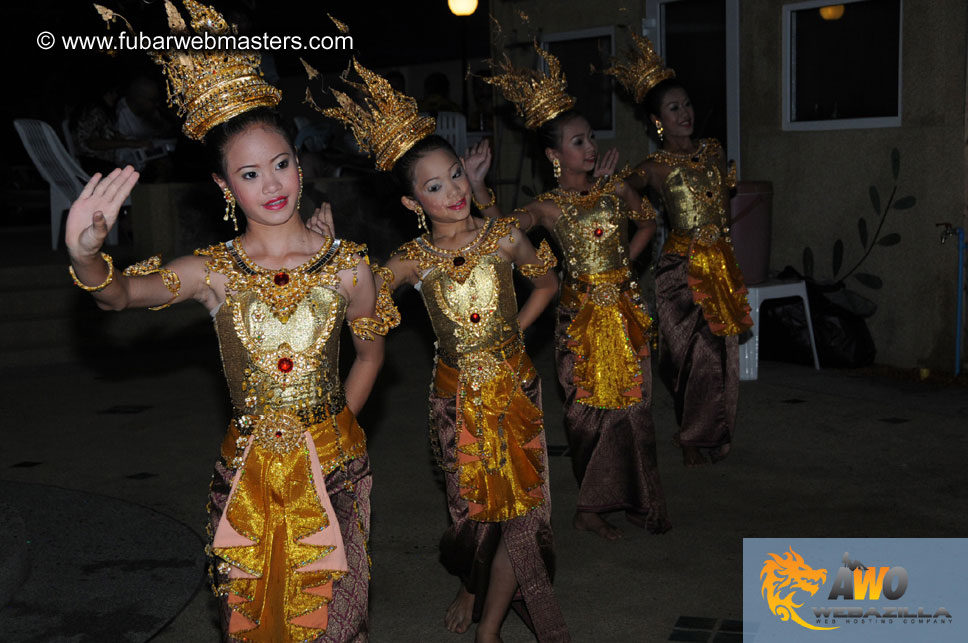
x=692, y=457
x=460, y=614
x=590, y=521
x=486, y=637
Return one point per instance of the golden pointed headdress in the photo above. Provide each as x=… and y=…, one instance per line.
x=538, y=97
x=641, y=70
x=208, y=87
x=386, y=124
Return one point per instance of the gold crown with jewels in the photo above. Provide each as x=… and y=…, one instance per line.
x=207, y=87
x=641, y=70
x=537, y=96
x=386, y=123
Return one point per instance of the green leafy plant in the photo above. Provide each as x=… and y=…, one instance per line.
x=867, y=241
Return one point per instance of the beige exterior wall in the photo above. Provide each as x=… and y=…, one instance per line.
x=821, y=179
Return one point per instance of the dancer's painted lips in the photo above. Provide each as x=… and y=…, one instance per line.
x=459, y=205
x=276, y=204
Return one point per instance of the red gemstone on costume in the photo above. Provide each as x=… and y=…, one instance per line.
x=285, y=364
x=599, y=232
x=475, y=317
x=459, y=261
x=281, y=279
x=278, y=434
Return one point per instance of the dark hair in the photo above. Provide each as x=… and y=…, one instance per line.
x=549, y=134
x=653, y=103
x=219, y=136
x=402, y=171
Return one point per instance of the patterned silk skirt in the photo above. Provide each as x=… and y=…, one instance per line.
x=468, y=546
x=613, y=452
x=700, y=368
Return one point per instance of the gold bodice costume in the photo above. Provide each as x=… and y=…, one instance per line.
x=696, y=197
x=469, y=295
x=610, y=331
x=278, y=334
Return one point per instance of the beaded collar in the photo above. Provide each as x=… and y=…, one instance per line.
x=585, y=198
x=459, y=263
x=675, y=159
x=280, y=289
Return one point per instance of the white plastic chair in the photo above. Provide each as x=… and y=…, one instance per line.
x=69, y=138
x=452, y=126
x=749, y=353
x=59, y=169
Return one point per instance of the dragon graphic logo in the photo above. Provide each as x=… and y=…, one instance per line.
x=782, y=577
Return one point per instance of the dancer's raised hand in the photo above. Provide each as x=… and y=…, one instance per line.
x=321, y=221
x=477, y=161
x=606, y=163
x=96, y=210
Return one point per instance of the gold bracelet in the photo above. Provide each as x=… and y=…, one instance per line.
x=484, y=206
x=102, y=286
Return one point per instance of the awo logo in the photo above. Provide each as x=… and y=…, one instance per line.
x=783, y=576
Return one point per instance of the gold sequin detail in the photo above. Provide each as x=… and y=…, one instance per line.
x=695, y=192
x=470, y=305
x=498, y=432
x=715, y=280
x=609, y=336
x=592, y=230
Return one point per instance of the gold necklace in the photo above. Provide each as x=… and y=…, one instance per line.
x=464, y=259
x=281, y=289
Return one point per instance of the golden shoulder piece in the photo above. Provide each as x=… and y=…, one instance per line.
x=387, y=314
x=386, y=124
x=152, y=266
x=208, y=87
x=538, y=97
x=641, y=70
x=546, y=261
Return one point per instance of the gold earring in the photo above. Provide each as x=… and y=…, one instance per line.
x=421, y=219
x=230, y=208
x=660, y=131
x=299, y=197
x=556, y=168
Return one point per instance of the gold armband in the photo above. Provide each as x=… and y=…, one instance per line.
x=107, y=281
x=386, y=310
x=647, y=213
x=151, y=266
x=731, y=175
x=547, y=258
x=489, y=204
x=367, y=328
x=387, y=315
